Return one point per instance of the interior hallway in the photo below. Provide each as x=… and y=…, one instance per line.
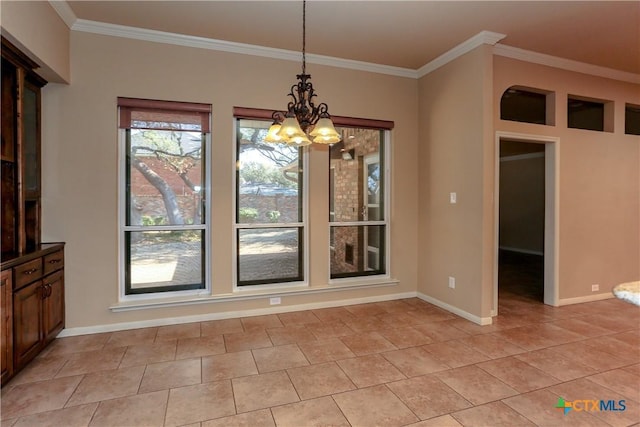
x=402, y=362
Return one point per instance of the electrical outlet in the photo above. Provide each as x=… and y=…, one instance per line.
x=595, y=288
x=453, y=198
x=452, y=282
x=275, y=301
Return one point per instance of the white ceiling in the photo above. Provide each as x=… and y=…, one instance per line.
x=406, y=34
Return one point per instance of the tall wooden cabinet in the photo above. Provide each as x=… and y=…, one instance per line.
x=32, y=297
x=20, y=151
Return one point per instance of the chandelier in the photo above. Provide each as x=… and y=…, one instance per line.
x=304, y=122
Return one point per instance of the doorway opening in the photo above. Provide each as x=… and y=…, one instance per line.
x=526, y=218
x=521, y=225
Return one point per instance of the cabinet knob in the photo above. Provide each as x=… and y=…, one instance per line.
x=55, y=261
x=46, y=291
x=29, y=272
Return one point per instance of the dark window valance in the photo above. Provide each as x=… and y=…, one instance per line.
x=163, y=115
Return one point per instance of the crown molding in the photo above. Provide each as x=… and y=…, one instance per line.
x=564, y=64
x=483, y=37
x=63, y=10
x=233, y=47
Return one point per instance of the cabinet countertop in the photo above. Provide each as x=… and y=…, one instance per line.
x=12, y=259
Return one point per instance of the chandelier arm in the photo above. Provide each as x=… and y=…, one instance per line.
x=295, y=100
x=278, y=116
x=322, y=112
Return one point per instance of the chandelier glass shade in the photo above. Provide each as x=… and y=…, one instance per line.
x=304, y=122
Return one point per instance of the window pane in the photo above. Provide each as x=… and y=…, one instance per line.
x=523, y=106
x=358, y=250
x=269, y=177
x=632, y=119
x=356, y=186
x=269, y=255
x=164, y=260
x=585, y=114
x=165, y=177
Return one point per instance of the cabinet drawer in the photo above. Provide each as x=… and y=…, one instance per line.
x=53, y=262
x=27, y=273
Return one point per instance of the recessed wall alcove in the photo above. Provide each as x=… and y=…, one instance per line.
x=528, y=105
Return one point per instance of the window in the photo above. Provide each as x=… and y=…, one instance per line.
x=526, y=106
x=270, y=230
x=358, y=218
x=163, y=195
x=588, y=114
x=632, y=119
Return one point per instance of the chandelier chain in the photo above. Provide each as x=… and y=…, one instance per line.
x=304, y=37
x=303, y=121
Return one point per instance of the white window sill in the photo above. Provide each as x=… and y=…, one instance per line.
x=335, y=285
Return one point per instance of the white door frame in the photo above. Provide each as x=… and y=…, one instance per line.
x=551, y=212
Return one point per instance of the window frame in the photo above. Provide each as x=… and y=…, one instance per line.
x=631, y=112
x=123, y=181
x=240, y=113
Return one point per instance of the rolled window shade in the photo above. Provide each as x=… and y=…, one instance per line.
x=163, y=115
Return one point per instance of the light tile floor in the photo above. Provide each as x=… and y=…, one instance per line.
x=392, y=363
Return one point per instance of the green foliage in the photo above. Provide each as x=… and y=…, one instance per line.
x=273, y=216
x=153, y=220
x=260, y=173
x=248, y=214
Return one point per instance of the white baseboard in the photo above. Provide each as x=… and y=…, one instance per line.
x=587, y=298
x=455, y=310
x=69, y=332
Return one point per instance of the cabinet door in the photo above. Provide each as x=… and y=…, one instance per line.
x=27, y=323
x=6, y=316
x=53, y=305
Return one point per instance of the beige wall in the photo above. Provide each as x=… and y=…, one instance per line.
x=455, y=134
x=599, y=177
x=80, y=191
x=599, y=181
x=35, y=28
x=522, y=204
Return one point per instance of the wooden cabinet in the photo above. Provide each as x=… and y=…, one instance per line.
x=27, y=318
x=33, y=289
x=6, y=316
x=32, y=272
x=53, y=306
x=20, y=151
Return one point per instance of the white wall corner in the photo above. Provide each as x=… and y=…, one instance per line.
x=483, y=37
x=63, y=10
